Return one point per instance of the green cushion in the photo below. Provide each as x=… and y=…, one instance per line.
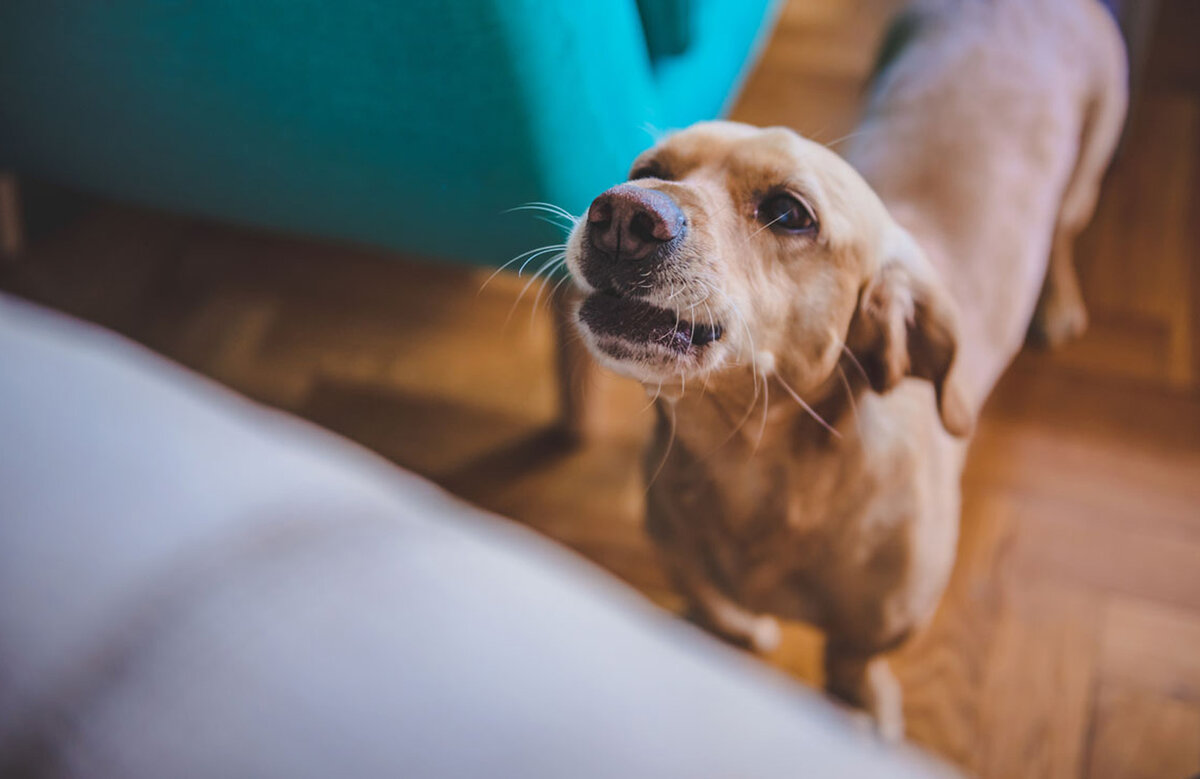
x=667, y=25
x=413, y=125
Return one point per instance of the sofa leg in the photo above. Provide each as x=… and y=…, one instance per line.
x=579, y=412
x=12, y=233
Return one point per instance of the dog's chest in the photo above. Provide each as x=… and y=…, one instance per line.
x=759, y=522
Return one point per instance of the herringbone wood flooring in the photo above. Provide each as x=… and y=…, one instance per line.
x=1068, y=643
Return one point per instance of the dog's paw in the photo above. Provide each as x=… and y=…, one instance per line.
x=868, y=685
x=765, y=635
x=885, y=701
x=758, y=633
x=886, y=724
x=1059, y=320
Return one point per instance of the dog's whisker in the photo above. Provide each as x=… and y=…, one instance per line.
x=657, y=394
x=811, y=412
x=708, y=309
x=853, y=404
x=532, y=279
x=670, y=443
x=655, y=134
x=711, y=321
x=745, y=416
x=543, y=272
x=544, y=251
x=652, y=401
x=550, y=298
x=541, y=204
x=518, y=258
x=556, y=213
x=764, y=227
x=753, y=372
x=816, y=136
x=565, y=228
x=749, y=337
x=538, y=299
x=676, y=315
x=845, y=137
x=854, y=360
x=762, y=427
x=547, y=207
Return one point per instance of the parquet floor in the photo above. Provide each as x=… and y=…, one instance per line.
x=1068, y=643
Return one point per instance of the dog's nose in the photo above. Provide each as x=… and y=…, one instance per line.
x=630, y=222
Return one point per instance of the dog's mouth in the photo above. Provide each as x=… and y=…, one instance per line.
x=627, y=328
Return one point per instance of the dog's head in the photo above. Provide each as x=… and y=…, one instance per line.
x=736, y=248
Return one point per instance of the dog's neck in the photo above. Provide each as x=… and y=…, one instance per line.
x=745, y=436
x=745, y=411
x=746, y=443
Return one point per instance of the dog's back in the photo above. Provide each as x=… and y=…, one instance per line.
x=989, y=126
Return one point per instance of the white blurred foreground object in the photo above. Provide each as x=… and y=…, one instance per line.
x=192, y=585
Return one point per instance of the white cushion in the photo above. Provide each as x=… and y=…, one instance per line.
x=193, y=585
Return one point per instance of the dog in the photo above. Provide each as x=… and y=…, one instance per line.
x=820, y=331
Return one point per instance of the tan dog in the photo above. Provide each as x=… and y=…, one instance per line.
x=818, y=347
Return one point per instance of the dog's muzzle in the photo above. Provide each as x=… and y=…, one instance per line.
x=629, y=223
x=631, y=233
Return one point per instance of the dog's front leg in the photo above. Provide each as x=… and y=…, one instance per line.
x=864, y=679
x=716, y=611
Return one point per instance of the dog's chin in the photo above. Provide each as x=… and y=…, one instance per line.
x=646, y=342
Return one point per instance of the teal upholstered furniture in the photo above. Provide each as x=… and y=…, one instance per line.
x=411, y=124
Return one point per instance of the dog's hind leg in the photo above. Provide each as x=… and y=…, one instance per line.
x=1061, y=314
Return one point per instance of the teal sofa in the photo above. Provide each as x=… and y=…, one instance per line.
x=409, y=124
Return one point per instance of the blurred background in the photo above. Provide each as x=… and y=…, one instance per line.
x=310, y=217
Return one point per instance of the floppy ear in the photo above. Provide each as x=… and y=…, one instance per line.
x=906, y=324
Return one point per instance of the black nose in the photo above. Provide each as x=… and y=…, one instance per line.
x=630, y=222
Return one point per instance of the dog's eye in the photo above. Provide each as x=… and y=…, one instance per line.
x=782, y=211
x=649, y=171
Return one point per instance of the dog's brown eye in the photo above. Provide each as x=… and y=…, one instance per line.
x=783, y=212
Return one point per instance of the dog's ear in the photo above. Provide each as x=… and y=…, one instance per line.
x=906, y=324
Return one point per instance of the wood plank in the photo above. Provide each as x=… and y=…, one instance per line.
x=1044, y=391
x=1036, y=697
x=1136, y=256
x=428, y=434
x=1152, y=646
x=1141, y=734
x=1118, y=487
x=943, y=669
x=1064, y=544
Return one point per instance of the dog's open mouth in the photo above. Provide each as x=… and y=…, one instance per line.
x=620, y=323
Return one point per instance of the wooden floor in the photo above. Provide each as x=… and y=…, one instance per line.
x=1068, y=643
